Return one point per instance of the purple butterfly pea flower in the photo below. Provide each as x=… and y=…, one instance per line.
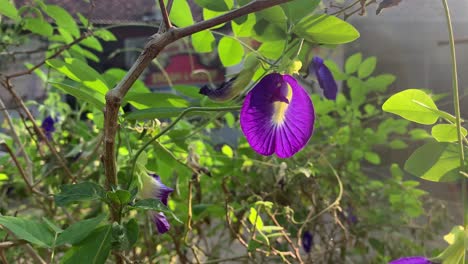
x=277, y=116
x=48, y=126
x=161, y=222
x=411, y=260
x=307, y=241
x=324, y=78
x=152, y=187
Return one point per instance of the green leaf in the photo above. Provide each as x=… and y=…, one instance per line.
x=435, y=161
x=352, y=63
x=203, y=41
x=93, y=250
x=255, y=219
x=38, y=26
x=367, y=67
x=273, y=14
x=8, y=9
x=218, y=5
x=156, y=100
x=63, y=19
x=78, y=231
x=3, y=177
x=154, y=205
x=150, y=204
x=230, y=51
x=52, y=226
x=325, y=29
x=80, y=71
x=105, y=35
x=372, y=157
x=84, y=191
x=189, y=91
x=114, y=75
x=120, y=197
x=245, y=28
x=298, y=9
x=227, y=150
x=209, y=14
x=92, y=42
x=32, y=231
x=379, y=83
x=181, y=15
x=398, y=144
x=272, y=49
x=154, y=113
x=447, y=132
x=92, y=97
x=405, y=104
x=131, y=230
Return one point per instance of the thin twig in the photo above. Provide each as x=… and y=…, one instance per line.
x=165, y=14
x=286, y=236
x=56, y=54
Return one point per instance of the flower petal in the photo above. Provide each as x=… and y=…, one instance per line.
x=325, y=78
x=161, y=222
x=277, y=116
x=411, y=260
x=154, y=188
x=307, y=241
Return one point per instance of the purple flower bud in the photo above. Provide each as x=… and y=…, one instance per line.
x=224, y=92
x=411, y=260
x=48, y=126
x=307, y=241
x=161, y=222
x=324, y=78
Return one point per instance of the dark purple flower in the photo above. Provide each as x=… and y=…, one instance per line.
x=48, y=126
x=324, y=78
x=161, y=222
x=411, y=260
x=277, y=116
x=222, y=93
x=307, y=241
x=152, y=187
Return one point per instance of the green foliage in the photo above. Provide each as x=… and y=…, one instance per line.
x=230, y=51
x=8, y=9
x=435, y=161
x=221, y=5
x=324, y=29
x=85, y=191
x=414, y=105
x=36, y=232
x=78, y=231
x=94, y=249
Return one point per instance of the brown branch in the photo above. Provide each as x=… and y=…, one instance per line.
x=165, y=14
